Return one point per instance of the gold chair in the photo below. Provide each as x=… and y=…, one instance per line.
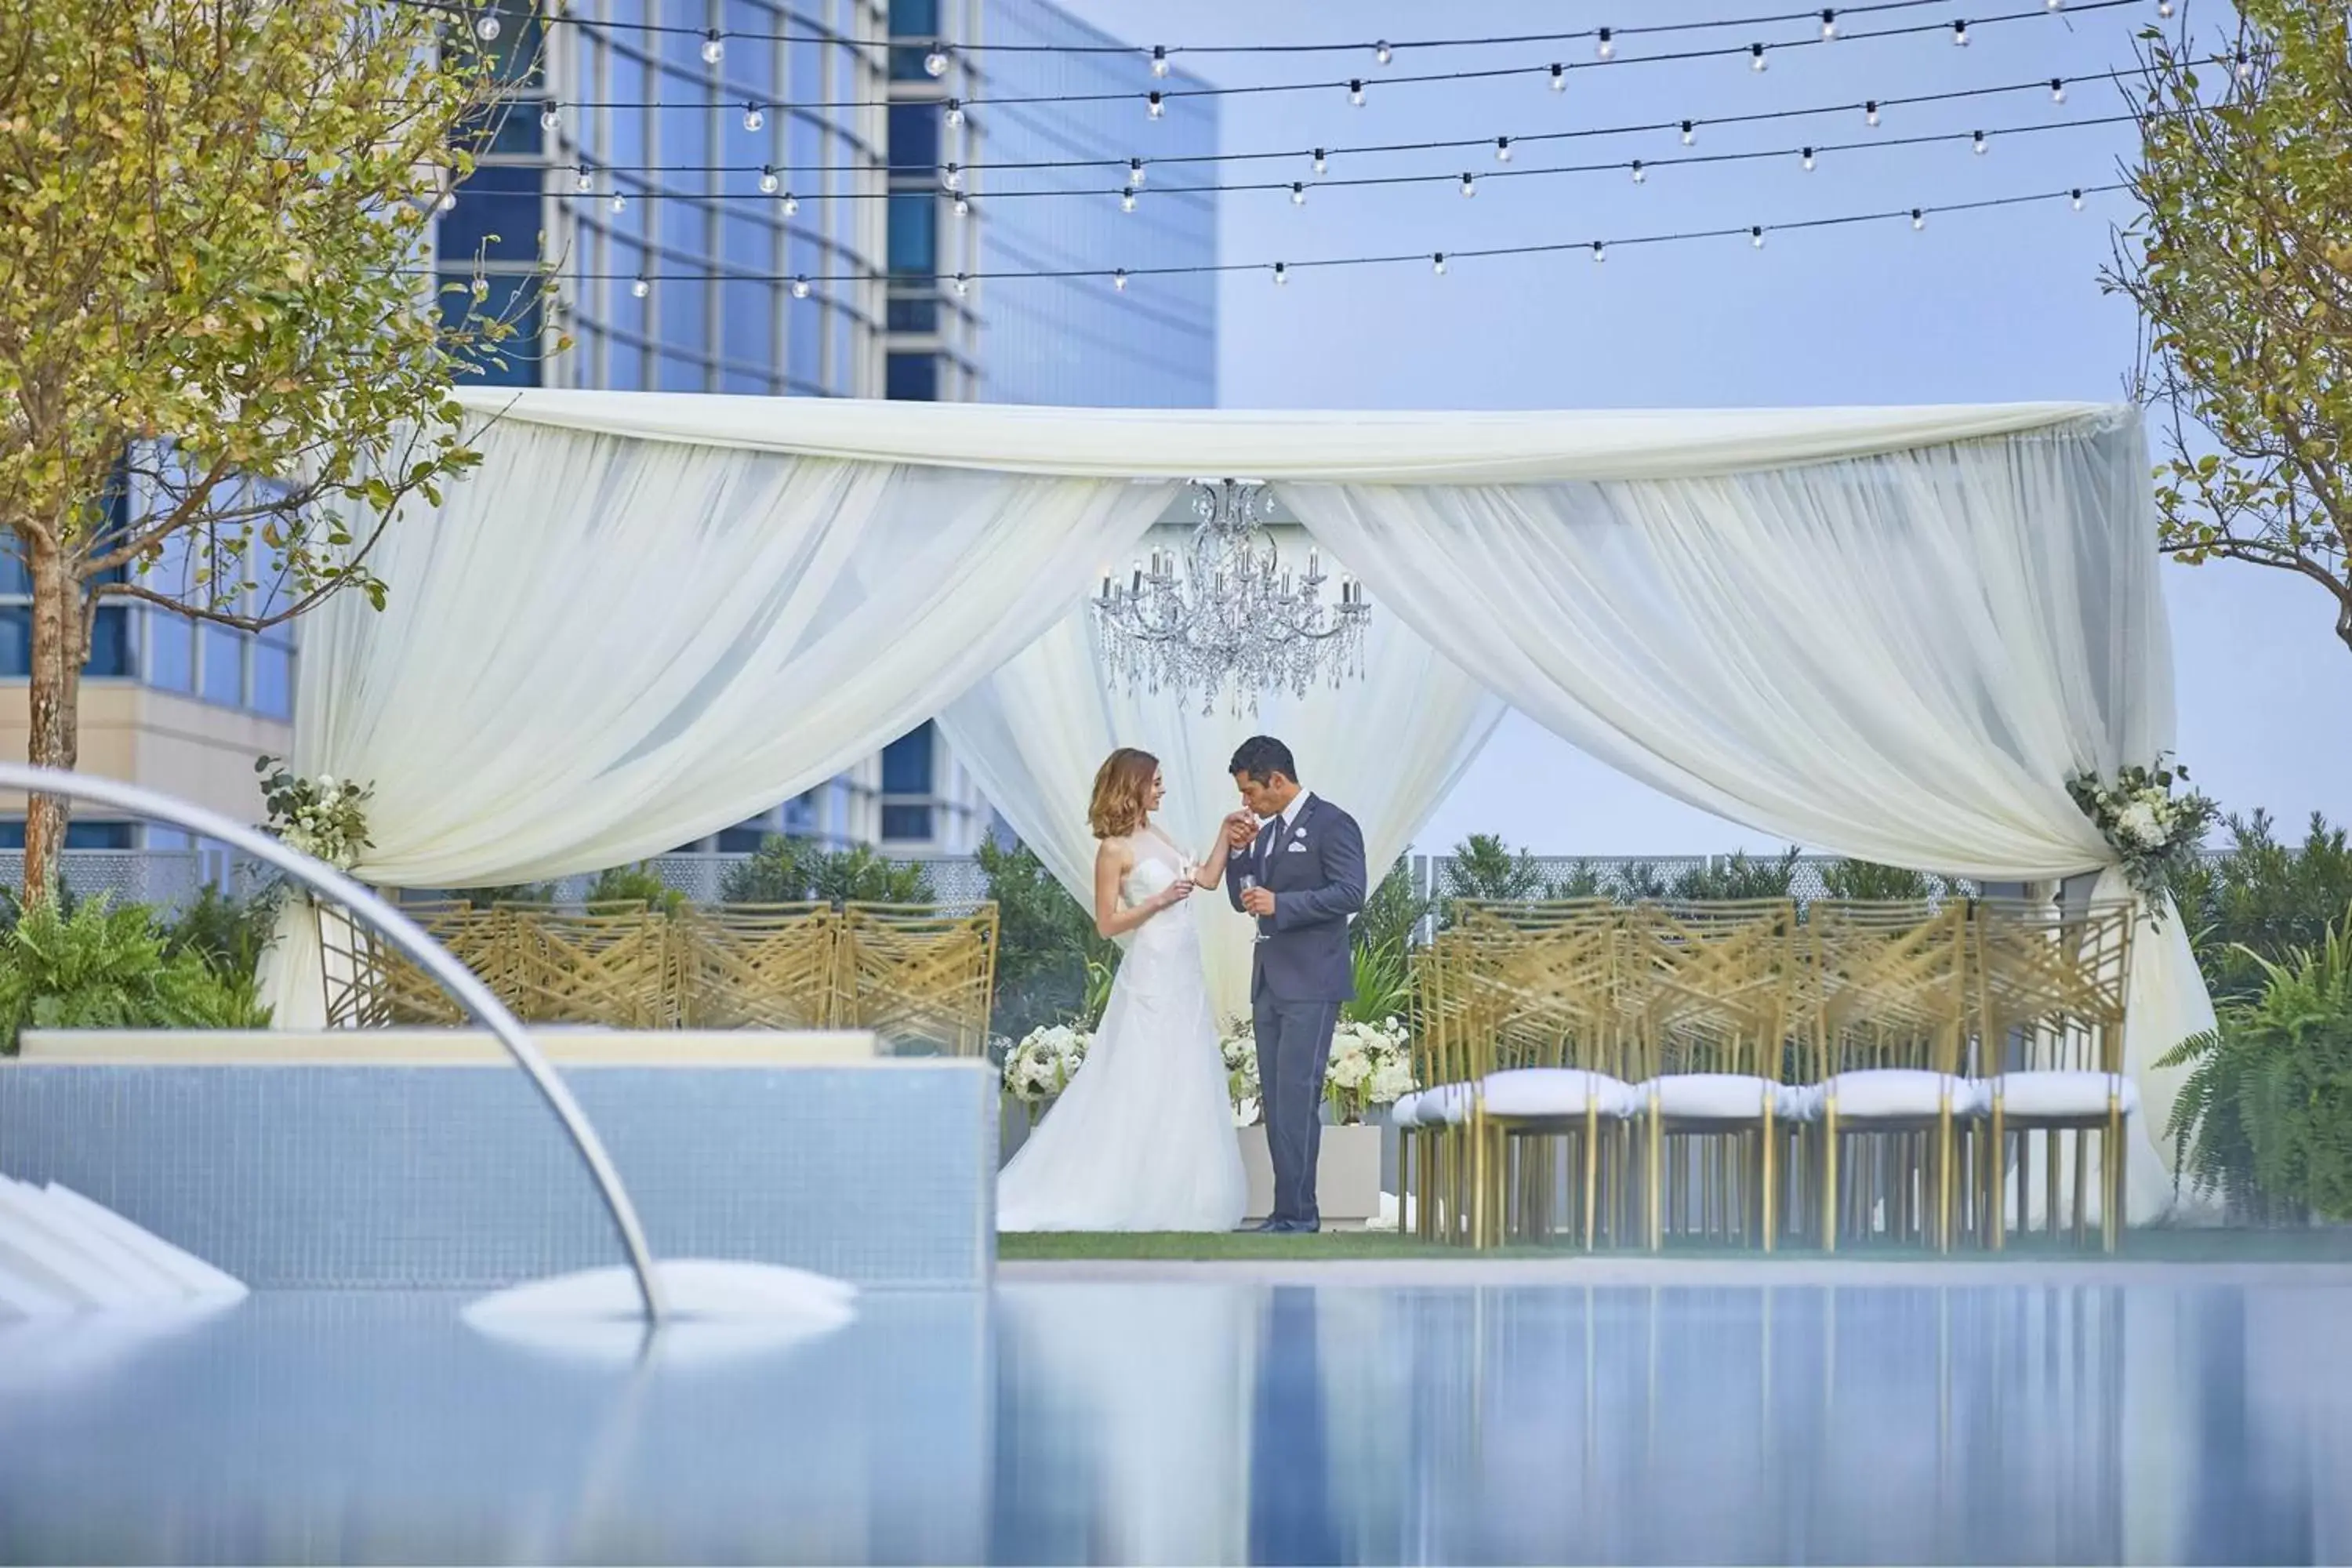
x=762, y=966
x=1886, y=989
x=918, y=977
x=610, y=964
x=2050, y=994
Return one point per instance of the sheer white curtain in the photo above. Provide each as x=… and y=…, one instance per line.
x=597, y=648
x=1387, y=748
x=1900, y=657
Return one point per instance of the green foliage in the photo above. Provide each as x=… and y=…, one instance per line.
x=228, y=935
x=1383, y=984
x=635, y=885
x=1392, y=912
x=1095, y=1001
x=2262, y=899
x=797, y=870
x=2237, y=261
x=1868, y=881
x=2265, y=1116
x=1047, y=947
x=102, y=967
x=1738, y=877
x=511, y=893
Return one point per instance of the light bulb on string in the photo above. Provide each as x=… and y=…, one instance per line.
x=2245, y=67
x=792, y=204
x=1604, y=45
x=1828, y=25
x=1980, y=146
x=801, y=286
x=935, y=60
x=1118, y=279
x=2163, y=9
x=955, y=111
x=1156, y=106
x=447, y=202
x=1756, y=60
x=1808, y=159
x=486, y=25
x=1469, y=185
x=2057, y=90
x=2053, y=4
x=962, y=283
x=1918, y=218
x=1870, y=114
x=1641, y=176
x=962, y=204
x=1381, y=53
x=1322, y=160
x=768, y=182
x=1558, y=78
x=754, y=118
x=1356, y=91
x=1755, y=236
x=1502, y=149
x=1690, y=132
x=1159, y=59
x=620, y=202
x=581, y=181
x=1600, y=251
x=1135, y=171
x=1282, y=272
x=1960, y=35
x=551, y=115
x=641, y=287
x=1437, y=263
x=1127, y=200
x=953, y=177
x=2077, y=197
x=714, y=48
x=1297, y=193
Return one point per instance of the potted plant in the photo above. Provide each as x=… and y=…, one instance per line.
x=1370, y=1068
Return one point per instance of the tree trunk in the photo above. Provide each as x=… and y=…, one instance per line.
x=55, y=740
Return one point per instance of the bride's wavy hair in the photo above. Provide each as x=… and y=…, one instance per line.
x=1122, y=791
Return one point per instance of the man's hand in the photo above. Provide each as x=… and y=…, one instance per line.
x=1259, y=901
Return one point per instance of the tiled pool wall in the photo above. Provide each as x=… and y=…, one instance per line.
x=336, y=1177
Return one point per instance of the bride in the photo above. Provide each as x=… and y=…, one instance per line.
x=1142, y=1139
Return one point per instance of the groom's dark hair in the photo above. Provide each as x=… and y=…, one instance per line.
x=1261, y=757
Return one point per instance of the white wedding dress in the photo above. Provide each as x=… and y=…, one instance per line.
x=1142, y=1138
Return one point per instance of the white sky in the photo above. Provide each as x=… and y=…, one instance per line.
x=1980, y=307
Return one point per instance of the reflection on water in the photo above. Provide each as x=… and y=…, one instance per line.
x=1214, y=1424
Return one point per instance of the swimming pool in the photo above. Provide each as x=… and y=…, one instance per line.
x=1170, y=1422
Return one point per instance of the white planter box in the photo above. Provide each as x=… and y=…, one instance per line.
x=1347, y=1173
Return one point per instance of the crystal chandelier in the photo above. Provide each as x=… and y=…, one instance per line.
x=1228, y=615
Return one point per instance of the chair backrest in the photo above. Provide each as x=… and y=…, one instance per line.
x=762, y=966
x=918, y=978
x=1886, y=985
x=2049, y=984
x=1713, y=985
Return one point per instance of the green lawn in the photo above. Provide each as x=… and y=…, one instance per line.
x=2332, y=1245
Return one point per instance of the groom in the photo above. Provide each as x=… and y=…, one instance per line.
x=1302, y=874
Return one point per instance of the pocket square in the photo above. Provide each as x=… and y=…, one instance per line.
x=1297, y=848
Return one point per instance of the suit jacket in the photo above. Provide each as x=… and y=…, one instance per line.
x=1315, y=868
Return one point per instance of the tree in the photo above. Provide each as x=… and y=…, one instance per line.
x=2240, y=263
x=221, y=366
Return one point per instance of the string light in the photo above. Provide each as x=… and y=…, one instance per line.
x=641, y=287
x=1756, y=60
x=550, y=115
x=486, y=25
x=1159, y=59
x=1918, y=218
x=1870, y=114
x=962, y=204
x=2053, y=4
x=1808, y=159
x=1322, y=162
x=752, y=119
x=2163, y=9
x=1979, y=146
x=1281, y=272
x=1502, y=149
x=1156, y=106
x=1356, y=91
x=1960, y=34
x=768, y=182
x=962, y=283
x=1118, y=279
x=1600, y=251
x=1127, y=200
x=1469, y=185
x=620, y=202
x=714, y=48
x=583, y=181
x=1756, y=236
x=1297, y=193
x=2076, y=195
x=955, y=111
x=1135, y=171
x=801, y=286
x=2057, y=90
x=2245, y=67
x=935, y=60
x=1437, y=263
x=953, y=177
x=1381, y=53
x=1558, y=77
x=1641, y=176
x=1828, y=25
x=1690, y=132
x=792, y=204
x=1605, y=46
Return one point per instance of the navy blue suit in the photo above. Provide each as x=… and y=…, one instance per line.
x=1302, y=972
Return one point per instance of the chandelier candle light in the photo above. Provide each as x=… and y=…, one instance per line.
x=1229, y=616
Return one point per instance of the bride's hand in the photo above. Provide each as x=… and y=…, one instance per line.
x=1175, y=893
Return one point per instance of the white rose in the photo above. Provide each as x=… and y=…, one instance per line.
x=1392, y=1083
x=1350, y=1071
x=2137, y=824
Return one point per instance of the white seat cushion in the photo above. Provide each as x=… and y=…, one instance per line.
x=1446, y=1105
x=1406, y=1112
x=1720, y=1096
x=2056, y=1094
x=1892, y=1094
x=1557, y=1091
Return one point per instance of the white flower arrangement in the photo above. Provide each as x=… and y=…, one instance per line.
x=324, y=818
x=1370, y=1066
x=2153, y=831
x=1042, y=1065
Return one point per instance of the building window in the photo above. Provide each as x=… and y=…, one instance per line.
x=224, y=665
x=79, y=835
x=171, y=651
x=914, y=313
x=914, y=138
x=906, y=787
x=914, y=238
x=912, y=378
x=743, y=839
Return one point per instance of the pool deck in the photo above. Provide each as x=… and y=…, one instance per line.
x=1469, y=1272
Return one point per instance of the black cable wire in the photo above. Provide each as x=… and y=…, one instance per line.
x=1918, y=215
x=1157, y=96
x=1692, y=123
x=1640, y=166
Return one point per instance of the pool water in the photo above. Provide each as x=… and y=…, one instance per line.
x=1208, y=1423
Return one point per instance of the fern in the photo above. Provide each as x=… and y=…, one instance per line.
x=102, y=967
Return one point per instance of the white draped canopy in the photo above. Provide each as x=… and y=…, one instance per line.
x=1888, y=633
